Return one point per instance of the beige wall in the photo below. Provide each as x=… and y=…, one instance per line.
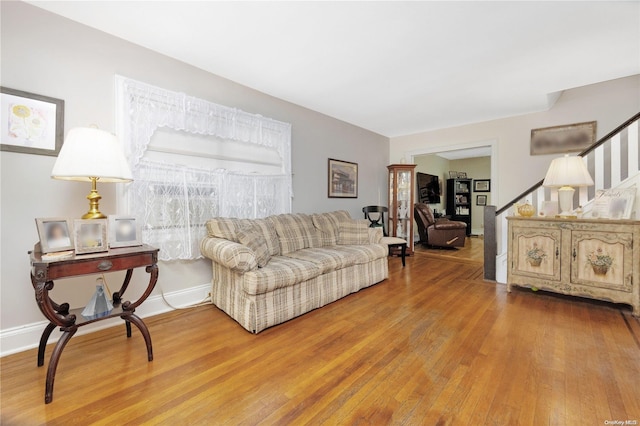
x=50, y=55
x=476, y=168
x=609, y=103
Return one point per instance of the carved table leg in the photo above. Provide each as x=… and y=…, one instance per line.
x=53, y=363
x=117, y=296
x=43, y=342
x=132, y=318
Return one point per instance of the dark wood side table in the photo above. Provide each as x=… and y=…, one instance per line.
x=59, y=315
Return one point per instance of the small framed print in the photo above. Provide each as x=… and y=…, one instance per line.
x=453, y=174
x=90, y=235
x=462, y=175
x=124, y=231
x=482, y=185
x=343, y=179
x=31, y=124
x=55, y=234
x=481, y=200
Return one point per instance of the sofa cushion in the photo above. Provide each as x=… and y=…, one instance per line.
x=295, y=232
x=280, y=272
x=327, y=259
x=253, y=238
x=222, y=227
x=329, y=225
x=364, y=253
x=354, y=232
x=269, y=233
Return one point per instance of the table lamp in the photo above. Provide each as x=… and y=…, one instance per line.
x=565, y=173
x=92, y=155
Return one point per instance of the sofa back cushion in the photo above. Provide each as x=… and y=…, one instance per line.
x=354, y=232
x=329, y=226
x=252, y=237
x=227, y=228
x=295, y=232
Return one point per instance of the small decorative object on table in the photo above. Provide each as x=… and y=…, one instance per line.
x=55, y=234
x=99, y=305
x=90, y=235
x=526, y=209
x=124, y=231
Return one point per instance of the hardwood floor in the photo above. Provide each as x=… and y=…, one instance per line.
x=432, y=345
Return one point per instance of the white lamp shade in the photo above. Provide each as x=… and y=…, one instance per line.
x=89, y=152
x=567, y=171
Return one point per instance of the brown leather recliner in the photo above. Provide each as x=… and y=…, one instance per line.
x=440, y=232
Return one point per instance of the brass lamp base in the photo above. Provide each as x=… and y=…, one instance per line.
x=94, y=200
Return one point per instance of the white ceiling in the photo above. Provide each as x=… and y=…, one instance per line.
x=395, y=68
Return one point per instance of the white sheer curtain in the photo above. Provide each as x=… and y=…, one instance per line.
x=174, y=200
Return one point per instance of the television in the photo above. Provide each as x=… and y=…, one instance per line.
x=428, y=188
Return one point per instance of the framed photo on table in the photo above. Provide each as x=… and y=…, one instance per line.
x=343, y=179
x=56, y=234
x=124, y=231
x=31, y=124
x=90, y=235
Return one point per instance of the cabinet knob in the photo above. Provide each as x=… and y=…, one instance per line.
x=105, y=265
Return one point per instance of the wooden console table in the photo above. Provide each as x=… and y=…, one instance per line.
x=59, y=315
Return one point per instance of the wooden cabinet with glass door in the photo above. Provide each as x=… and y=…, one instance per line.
x=401, y=200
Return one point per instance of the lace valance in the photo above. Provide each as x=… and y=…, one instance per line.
x=174, y=200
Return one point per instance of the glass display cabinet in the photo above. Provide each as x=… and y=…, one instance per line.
x=401, y=200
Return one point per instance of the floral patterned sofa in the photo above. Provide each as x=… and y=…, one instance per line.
x=268, y=271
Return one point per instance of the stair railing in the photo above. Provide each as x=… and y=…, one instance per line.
x=610, y=160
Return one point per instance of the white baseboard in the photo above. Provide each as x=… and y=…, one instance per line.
x=21, y=338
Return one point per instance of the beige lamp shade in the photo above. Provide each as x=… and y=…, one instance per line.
x=91, y=153
x=567, y=171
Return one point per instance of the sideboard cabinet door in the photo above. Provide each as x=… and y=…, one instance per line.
x=536, y=252
x=602, y=259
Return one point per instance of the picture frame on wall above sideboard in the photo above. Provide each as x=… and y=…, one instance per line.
x=482, y=185
x=343, y=179
x=31, y=124
x=563, y=139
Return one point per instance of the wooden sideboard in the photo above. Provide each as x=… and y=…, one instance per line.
x=598, y=259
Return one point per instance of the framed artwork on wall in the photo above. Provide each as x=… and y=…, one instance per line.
x=56, y=234
x=31, y=124
x=563, y=139
x=482, y=185
x=343, y=179
x=481, y=200
x=90, y=235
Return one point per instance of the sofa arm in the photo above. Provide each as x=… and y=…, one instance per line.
x=375, y=235
x=229, y=254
